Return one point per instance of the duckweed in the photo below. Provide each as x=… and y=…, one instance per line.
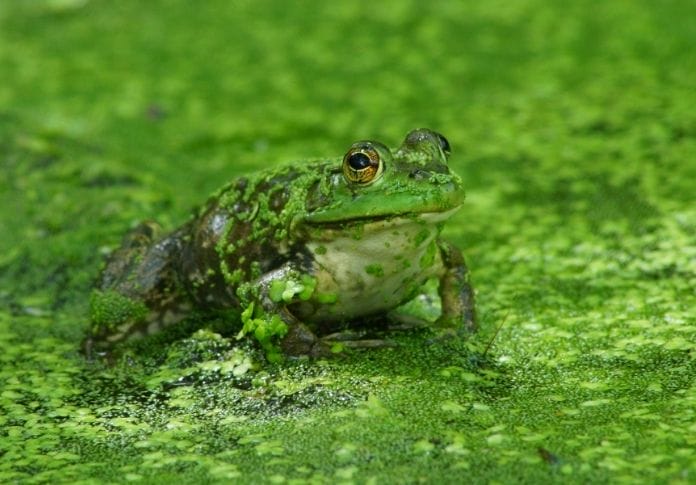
x=572, y=126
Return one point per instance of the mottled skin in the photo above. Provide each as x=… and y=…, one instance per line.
x=300, y=247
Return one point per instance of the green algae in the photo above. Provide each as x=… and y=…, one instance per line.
x=265, y=328
x=109, y=309
x=573, y=130
x=375, y=269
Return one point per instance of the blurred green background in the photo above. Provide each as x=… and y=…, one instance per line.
x=573, y=125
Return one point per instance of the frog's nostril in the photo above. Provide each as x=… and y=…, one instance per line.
x=418, y=174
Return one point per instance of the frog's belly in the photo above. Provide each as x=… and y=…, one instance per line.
x=374, y=270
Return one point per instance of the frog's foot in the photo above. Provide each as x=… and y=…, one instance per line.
x=124, y=261
x=354, y=340
x=95, y=352
x=446, y=332
x=300, y=341
x=456, y=294
x=403, y=321
x=89, y=350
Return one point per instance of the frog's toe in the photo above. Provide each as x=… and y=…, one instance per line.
x=94, y=353
x=449, y=334
x=342, y=336
x=87, y=348
x=322, y=350
x=459, y=325
x=368, y=343
x=299, y=341
x=338, y=341
x=403, y=321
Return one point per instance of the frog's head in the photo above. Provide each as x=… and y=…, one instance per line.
x=374, y=182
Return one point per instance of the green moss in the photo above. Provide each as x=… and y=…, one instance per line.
x=291, y=289
x=266, y=329
x=109, y=309
x=421, y=237
x=276, y=290
x=327, y=298
x=375, y=270
x=573, y=136
x=428, y=258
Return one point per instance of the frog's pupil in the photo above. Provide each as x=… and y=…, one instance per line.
x=358, y=161
x=444, y=144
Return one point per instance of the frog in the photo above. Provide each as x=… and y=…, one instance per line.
x=299, y=250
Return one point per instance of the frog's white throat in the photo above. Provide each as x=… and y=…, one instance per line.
x=375, y=266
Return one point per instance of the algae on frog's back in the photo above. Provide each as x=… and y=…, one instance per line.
x=375, y=269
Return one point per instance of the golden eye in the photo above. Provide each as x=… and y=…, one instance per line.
x=362, y=164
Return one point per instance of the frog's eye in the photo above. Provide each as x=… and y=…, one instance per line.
x=424, y=140
x=444, y=144
x=362, y=164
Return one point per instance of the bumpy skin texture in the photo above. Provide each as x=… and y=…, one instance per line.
x=298, y=248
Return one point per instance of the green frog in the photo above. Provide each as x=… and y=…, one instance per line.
x=299, y=250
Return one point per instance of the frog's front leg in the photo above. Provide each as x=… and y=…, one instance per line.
x=268, y=317
x=456, y=293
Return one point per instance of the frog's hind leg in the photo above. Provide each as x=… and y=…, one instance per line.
x=122, y=262
x=138, y=293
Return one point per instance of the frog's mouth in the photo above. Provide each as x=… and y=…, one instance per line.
x=429, y=217
x=403, y=204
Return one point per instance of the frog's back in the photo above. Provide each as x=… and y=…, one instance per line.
x=154, y=280
x=243, y=232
